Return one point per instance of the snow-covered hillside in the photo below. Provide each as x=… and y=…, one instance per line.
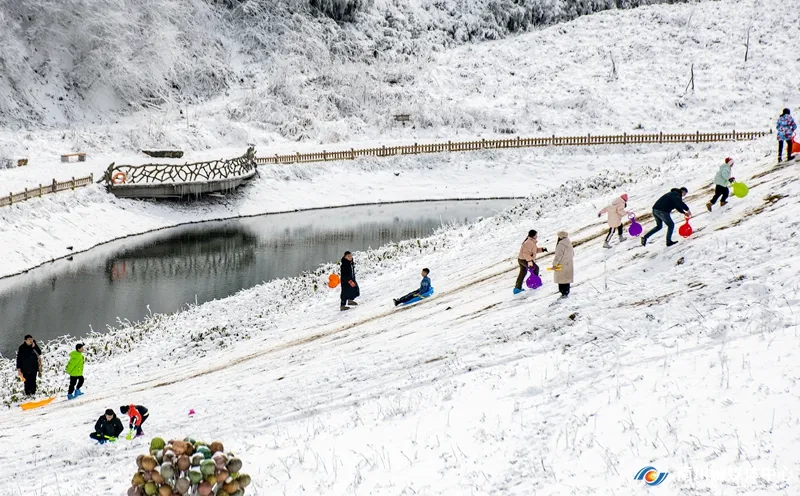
x=681, y=359
x=303, y=79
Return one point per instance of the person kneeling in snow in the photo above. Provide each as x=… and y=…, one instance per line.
x=424, y=287
x=563, y=272
x=721, y=181
x=108, y=427
x=137, y=415
x=615, y=213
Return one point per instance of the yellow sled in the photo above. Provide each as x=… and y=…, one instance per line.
x=36, y=404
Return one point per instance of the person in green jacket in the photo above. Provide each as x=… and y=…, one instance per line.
x=721, y=181
x=75, y=371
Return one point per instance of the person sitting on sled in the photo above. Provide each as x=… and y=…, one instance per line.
x=137, y=415
x=424, y=287
x=107, y=428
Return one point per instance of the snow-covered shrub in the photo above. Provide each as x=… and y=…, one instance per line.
x=340, y=10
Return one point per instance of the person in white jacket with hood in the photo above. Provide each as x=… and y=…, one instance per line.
x=616, y=211
x=721, y=182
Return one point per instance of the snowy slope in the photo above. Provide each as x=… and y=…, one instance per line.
x=682, y=359
x=557, y=80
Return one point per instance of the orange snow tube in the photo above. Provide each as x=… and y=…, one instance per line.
x=795, y=146
x=119, y=178
x=333, y=281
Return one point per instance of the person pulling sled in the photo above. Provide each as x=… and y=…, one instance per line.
x=616, y=211
x=721, y=182
x=661, y=213
x=350, y=289
x=527, y=258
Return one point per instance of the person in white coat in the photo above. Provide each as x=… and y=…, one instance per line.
x=721, y=182
x=563, y=267
x=616, y=211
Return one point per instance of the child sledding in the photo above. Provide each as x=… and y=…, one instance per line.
x=425, y=290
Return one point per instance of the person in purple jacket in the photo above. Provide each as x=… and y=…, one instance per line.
x=786, y=127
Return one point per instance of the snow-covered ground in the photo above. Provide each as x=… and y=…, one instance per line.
x=681, y=359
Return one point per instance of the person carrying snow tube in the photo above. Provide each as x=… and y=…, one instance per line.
x=721, y=182
x=424, y=288
x=29, y=363
x=137, y=414
x=661, y=213
x=563, y=271
x=350, y=289
x=616, y=211
x=75, y=371
x=786, y=127
x=527, y=258
x=107, y=428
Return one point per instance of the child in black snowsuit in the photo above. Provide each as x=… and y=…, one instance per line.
x=424, y=287
x=107, y=428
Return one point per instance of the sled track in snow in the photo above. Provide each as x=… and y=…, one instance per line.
x=440, y=298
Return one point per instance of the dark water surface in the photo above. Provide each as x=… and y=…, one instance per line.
x=167, y=269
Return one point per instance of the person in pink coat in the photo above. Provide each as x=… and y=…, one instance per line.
x=526, y=258
x=616, y=211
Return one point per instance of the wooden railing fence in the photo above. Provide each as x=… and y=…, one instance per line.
x=55, y=187
x=484, y=144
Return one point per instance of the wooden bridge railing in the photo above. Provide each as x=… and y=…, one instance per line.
x=54, y=187
x=464, y=146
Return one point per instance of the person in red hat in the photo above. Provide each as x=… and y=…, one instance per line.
x=721, y=182
x=616, y=211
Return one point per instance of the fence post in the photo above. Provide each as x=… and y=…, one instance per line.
x=72, y=184
x=449, y=146
x=553, y=141
x=661, y=136
x=734, y=135
x=383, y=150
x=10, y=198
x=416, y=151
x=624, y=138
x=352, y=154
x=55, y=186
x=26, y=194
x=483, y=143
x=40, y=189
x=697, y=139
x=324, y=155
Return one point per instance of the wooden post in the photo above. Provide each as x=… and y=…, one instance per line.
x=449, y=146
x=698, y=137
x=624, y=138
x=10, y=198
x=91, y=178
x=734, y=135
x=40, y=190
x=661, y=136
x=26, y=194
x=55, y=186
x=416, y=150
x=352, y=154
x=72, y=184
x=324, y=155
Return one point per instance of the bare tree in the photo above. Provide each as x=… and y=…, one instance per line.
x=747, y=42
x=691, y=80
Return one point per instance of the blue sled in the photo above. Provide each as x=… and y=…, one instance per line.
x=421, y=297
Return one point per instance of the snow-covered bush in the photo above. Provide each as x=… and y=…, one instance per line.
x=340, y=10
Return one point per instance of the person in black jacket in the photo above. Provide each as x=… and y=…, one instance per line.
x=29, y=364
x=350, y=289
x=661, y=210
x=107, y=426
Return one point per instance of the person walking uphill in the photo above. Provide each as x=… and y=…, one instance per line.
x=563, y=267
x=661, y=213
x=29, y=364
x=527, y=258
x=616, y=211
x=75, y=371
x=786, y=127
x=350, y=289
x=721, y=181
